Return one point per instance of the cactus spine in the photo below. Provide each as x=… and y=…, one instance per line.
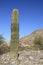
x=14, y=33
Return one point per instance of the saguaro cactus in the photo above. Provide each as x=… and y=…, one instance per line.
x=14, y=33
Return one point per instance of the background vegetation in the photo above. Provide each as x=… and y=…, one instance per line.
x=38, y=42
x=3, y=47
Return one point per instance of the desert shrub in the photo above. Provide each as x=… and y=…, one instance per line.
x=38, y=42
x=3, y=47
x=21, y=48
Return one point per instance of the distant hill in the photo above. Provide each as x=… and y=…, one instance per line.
x=27, y=42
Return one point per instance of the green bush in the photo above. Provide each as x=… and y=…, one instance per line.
x=38, y=42
x=3, y=47
x=21, y=48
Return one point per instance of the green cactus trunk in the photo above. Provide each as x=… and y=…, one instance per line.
x=14, y=33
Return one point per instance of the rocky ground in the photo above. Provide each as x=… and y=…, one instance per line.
x=25, y=58
x=5, y=59
x=31, y=58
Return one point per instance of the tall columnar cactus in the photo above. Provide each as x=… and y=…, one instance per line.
x=14, y=33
